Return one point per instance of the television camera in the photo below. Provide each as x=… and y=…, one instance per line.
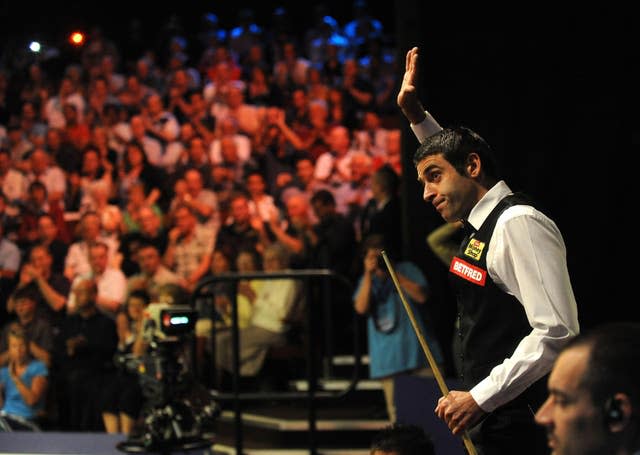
x=178, y=411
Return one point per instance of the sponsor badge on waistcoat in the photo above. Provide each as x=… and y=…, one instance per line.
x=474, y=249
x=467, y=271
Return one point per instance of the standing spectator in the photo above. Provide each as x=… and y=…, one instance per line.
x=122, y=395
x=393, y=345
x=87, y=343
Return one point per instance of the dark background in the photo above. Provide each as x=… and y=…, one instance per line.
x=554, y=93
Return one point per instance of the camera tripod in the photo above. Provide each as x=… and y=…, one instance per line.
x=171, y=420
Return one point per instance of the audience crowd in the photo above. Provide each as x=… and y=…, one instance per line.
x=120, y=176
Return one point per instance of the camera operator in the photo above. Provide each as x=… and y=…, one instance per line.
x=122, y=397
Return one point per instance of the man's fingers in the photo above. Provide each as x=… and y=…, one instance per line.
x=460, y=424
x=414, y=66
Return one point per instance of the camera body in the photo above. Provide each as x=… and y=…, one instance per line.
x=164, y=320
x=178, y=412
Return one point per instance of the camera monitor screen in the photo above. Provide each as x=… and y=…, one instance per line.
x=177, y=321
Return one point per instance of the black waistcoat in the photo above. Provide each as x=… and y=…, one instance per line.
x=491, y=322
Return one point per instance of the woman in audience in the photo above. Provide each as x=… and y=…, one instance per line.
x=23, y=382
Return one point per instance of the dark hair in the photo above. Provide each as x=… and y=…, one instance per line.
x=455, y=144
x=404, y=440
x=614, y=361
x=324, y=197
x=179, y=296
x=18, y=331
x=37, y=185
x=140, y=294
x=25, y=293
x=388, y=179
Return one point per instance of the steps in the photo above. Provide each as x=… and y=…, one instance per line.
x=343, y=425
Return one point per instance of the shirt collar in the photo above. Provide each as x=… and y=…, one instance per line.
x=483, y=208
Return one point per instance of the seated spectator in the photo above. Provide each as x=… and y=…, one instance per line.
x=293, y=231
x=137, y=198
x=9, y=257
x=153, y=274
x=110, y=214
x=49, y=235
x=151, y=231
x=50, y=175
x=38, y=329
x=49, y=289
x=35, y=205
x=12, y=182
x=243, y=231
x=247, y=261
x=273, y=308
x=9, y=265
x=23, y=382
x=401, y=439
x=261, y=203
x=190, y=246
x=77, y=260
x=110, y=282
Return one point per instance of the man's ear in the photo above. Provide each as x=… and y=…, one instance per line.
x=619, y=412
x=473, y=166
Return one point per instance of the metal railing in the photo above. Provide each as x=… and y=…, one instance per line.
x=309, y=277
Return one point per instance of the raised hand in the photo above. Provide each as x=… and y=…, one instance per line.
x=407, y=96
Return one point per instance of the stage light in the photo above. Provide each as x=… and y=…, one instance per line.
x=34, y=46
x=76, y=38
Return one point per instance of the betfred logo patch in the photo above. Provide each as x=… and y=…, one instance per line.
x=467, y=271
x=474, y=249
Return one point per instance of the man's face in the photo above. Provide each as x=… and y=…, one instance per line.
x=85, y=293
x=98, y=258
x=185, y=221
x=41, y=260
x=90, y=227
x=47, y=229
x=149, y=260
x=305, y=170
x=240, y=210
x=25, y=309
x=149, y=221
x=574, y=425
x=452, y=194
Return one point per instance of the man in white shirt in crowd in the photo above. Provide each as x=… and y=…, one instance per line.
x=111, y=282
